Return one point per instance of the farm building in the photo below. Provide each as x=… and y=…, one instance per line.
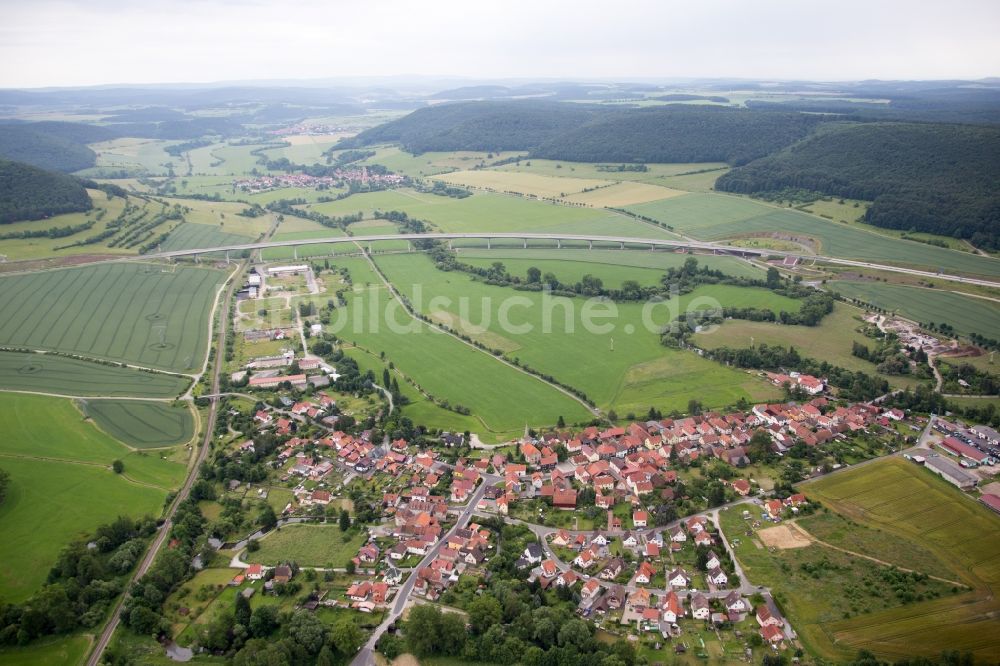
x=951, y=472
x=287, y=270
x=957, y=447
x=271, y=382
x=992, y=501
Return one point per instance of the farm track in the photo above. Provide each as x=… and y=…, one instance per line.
x=222, y=312
x=499, y=359
x=801, y=530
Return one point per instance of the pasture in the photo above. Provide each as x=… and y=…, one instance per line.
x=137, y=156
x=49, y=373
x=966, y=313
x=143, y=425
x=149, y=315
x=830, y=341
x=656, y=174
x=623, y=194
x=719, y=217
x=309, y=546
x=58, y=651
x=912, y=504
x=62, y=486
x=619, y=362
x=503, y=398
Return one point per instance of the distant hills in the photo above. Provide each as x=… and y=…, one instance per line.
x=30, y=193
x=52, y=146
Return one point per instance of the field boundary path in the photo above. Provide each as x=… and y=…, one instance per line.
x=498, y=359
x=104, y=639
x=812, y=539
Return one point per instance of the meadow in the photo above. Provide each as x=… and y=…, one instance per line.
x=966, y=313
x=656, y=174
x=719, y=217
x=309, y=546
x=612, y=266
x=52, y=651
x=143, y=425
x=624, y=368
x=145, y=314
x=523, y=183
x=49, y=373
x=62, y=485
x=831, y=340
x=494, y=212
x=501, y=397
x=910, y=503
x=432, y=163
x=138, y=156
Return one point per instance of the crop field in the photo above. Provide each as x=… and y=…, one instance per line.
x=623, y=194
x=535, y=185
x=719, y=217
x=222, y=159
x=494, y=212
x=617, y=367
x=225, y=216
x=655, y=173
x=501, y=397
x=309, y=546
x=62, y=485
x=143, y=425
x=910, y=503
x=966, y=313
x=419, y=409
x=145, y=314
x=189, y=236
x=48, y=373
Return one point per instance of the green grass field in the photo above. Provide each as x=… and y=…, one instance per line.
x=502, y=397
x=61, y=651
x=718, y=217
x=966, y=313
x=143, y=425
x=48, y=373
x=309, y=546
x=524, y=183
x=638, y=373
x=149, y=315
x=62, y=486
x=612, y=266
x=494, y=212
x=658, y=174
x=910, y=503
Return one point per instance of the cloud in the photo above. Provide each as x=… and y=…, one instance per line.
x=69, y=42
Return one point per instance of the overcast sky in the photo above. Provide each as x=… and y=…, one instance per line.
x=82, y=42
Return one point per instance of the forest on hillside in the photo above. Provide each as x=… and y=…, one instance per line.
x=30, y=193
x=935, y=178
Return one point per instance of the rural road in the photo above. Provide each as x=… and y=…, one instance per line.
x=622, y=241
x=102, y=641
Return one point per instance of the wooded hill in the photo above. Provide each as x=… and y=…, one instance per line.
x=51, y=146
x=936, y=178
x=30, y=193
x=591, y=133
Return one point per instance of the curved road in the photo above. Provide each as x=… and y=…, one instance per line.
x=651, y=243
x=161, y=536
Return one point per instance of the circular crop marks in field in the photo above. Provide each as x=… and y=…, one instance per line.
x=30, y=369
x=156, y=316
x=161, y=346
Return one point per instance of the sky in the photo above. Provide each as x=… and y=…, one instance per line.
x=90, y=42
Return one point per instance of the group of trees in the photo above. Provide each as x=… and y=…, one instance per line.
x=30, y=193
x=82, y=584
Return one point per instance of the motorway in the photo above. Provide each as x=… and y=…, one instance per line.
x=622, y=241
x=164, y=531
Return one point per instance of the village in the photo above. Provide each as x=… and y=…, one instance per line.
x=340, y=177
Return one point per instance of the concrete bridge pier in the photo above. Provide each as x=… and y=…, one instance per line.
x=590, y=245
x=525, y=243
x=558, y=244
x=489, y=244
x=295, y=252
x=623, y=245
